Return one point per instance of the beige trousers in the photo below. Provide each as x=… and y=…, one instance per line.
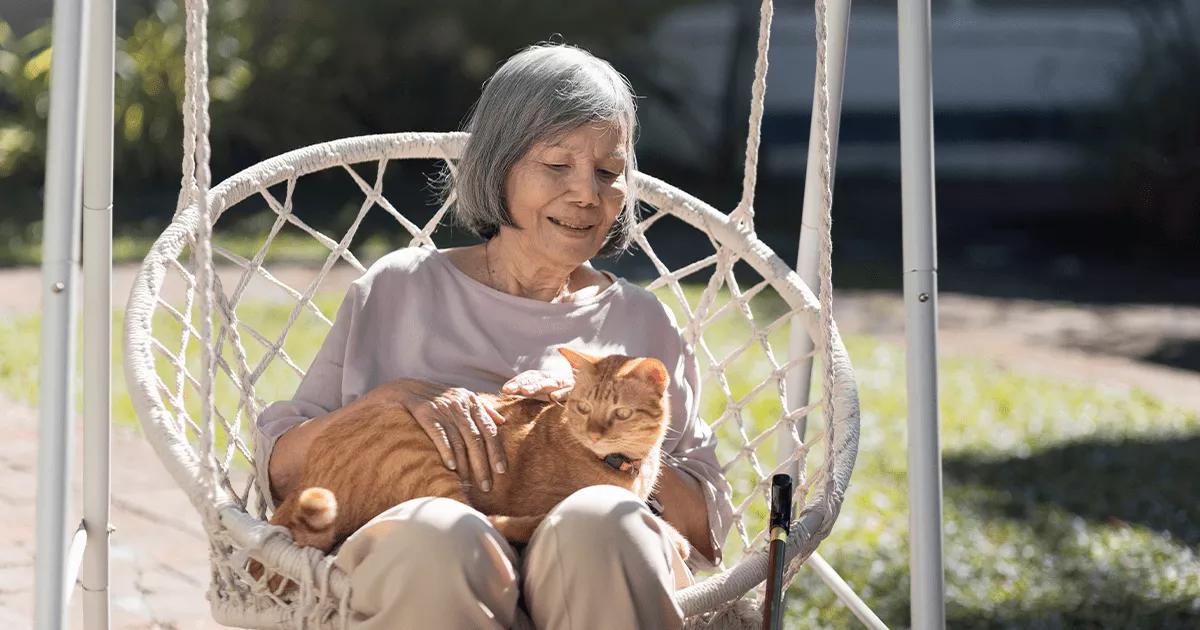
x=599, y=560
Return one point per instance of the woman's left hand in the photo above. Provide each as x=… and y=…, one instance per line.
x=552, y=386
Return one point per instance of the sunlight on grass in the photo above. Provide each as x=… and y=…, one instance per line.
x=1065, y=505
x=1019, y=552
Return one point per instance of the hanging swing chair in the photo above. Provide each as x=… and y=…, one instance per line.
x=187, y=339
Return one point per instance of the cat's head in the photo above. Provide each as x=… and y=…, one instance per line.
x=618, y=404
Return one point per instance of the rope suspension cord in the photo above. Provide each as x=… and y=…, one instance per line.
x=197, y=177
x=824, y=264
x=825, y=270
x=744, y=212
x=743, y=215
x=194, y=192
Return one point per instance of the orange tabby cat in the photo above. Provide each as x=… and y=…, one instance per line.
x=376, y=455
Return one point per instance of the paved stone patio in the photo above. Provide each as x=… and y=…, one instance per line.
x=159, y=558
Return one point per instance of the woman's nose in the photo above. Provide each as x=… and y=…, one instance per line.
x=585, y=190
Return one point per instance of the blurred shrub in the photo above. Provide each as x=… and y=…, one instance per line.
x=287, y=74
x=148, y=90
x=1156, y=159
x=24, y=74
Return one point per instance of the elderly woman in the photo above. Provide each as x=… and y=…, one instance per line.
x=545, y=181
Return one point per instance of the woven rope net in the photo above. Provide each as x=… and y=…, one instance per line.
x=213, y=336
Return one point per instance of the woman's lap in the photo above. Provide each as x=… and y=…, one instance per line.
x=429, y=552
x=598, y=559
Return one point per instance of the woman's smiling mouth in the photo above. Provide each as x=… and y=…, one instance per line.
x=571, y=226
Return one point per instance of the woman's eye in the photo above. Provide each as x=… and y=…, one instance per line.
x=608, y=175
x=583, y=407
x=624, y=413
x=557, y=167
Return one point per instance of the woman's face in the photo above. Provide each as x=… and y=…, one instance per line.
x=564, y=194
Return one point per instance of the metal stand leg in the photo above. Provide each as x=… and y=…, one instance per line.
x=920, y=299
x=75, y=114
x=97, y=304
x=60, y=258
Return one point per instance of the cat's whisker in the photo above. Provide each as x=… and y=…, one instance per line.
x=672, y=431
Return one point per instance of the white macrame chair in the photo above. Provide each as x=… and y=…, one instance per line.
x=184, y=338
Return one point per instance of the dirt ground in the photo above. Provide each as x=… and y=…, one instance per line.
x=159, y=557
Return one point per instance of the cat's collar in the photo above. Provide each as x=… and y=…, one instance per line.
x=621, y=463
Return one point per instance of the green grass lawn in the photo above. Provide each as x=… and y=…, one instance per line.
x=23, y=246
x=1065, y=505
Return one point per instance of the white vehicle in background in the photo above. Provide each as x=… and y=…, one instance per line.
x=1014, y=80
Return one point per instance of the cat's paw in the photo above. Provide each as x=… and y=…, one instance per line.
x=680, y=543
x=273, y=581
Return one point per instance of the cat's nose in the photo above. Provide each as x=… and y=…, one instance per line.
x=595, y=435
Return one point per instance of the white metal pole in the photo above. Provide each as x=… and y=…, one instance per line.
x=60, y=255
x=845, y=593
x=920, y=300
x=97, y=305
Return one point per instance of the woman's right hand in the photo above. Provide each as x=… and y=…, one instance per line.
x=461, y=424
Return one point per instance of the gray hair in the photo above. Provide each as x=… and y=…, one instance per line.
x=539, y=94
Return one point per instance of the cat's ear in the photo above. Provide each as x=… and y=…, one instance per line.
x=647, y=369
x=578, y=360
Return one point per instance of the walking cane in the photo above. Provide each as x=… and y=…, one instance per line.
x=781, y=519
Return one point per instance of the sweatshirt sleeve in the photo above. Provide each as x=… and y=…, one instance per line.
x=695, y=453
x=319, y=393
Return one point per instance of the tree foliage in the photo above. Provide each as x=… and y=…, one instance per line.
x=286, y=74
x=24, y=75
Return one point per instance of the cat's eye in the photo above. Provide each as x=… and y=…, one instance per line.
x=583, y=407
x=623, y=413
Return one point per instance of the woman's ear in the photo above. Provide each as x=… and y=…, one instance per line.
x=578, y=360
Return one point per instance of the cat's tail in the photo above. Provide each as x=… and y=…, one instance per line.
x=311, y=517
x=516, y=528
x=313, y=520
